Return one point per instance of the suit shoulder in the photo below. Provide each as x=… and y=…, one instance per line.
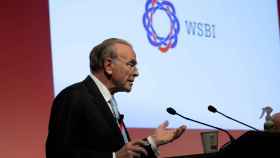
x=70, y=94
x=70, y=90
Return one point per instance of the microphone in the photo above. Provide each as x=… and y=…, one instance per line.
x=173, y=112
x=214, y=110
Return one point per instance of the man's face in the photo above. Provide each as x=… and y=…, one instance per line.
x=124, y=68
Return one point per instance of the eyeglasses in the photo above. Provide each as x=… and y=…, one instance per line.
x=132, y=64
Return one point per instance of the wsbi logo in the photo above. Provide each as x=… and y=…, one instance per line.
x=169, y=40
x=200, y=29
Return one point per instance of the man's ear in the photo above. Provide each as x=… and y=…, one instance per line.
x=108, y=66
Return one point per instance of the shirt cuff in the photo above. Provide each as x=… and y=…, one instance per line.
x=153, y=145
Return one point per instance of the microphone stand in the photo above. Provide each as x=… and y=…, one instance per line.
x=230, y=136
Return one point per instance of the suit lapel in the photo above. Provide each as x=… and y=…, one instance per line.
x=103, y=106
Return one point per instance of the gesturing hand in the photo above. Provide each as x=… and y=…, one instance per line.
x=162, y=135
x=132, y=149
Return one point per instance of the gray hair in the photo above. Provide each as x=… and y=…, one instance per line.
x=104, y=50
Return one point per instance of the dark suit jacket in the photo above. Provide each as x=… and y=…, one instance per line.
x=82, y=125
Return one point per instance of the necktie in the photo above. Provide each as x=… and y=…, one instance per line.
x=119, y=120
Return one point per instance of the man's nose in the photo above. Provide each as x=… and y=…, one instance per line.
x=135, y=72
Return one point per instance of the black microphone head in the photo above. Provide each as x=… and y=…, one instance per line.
x=212, y=108
x=171, y=111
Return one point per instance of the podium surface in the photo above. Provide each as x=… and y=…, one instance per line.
x=251, y=143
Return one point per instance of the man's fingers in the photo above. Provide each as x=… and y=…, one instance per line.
x=179, y=131
x=139, y=150
x=139, y=142
x=134, y=154
x=137, y=146
x=164, y=124
x=182, y=128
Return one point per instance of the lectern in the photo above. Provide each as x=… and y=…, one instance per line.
x=251, y=143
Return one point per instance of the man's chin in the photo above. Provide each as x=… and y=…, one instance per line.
x=125, y=89
x=128, y=89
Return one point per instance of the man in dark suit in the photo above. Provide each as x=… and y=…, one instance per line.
x=85, y=122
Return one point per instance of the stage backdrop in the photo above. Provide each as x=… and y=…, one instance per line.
x=27, y=86
x=191, y=53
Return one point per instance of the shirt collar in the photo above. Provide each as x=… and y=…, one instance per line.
x=102, y=88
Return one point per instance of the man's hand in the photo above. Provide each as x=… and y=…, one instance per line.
x=133, y=149
x=162, y=135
